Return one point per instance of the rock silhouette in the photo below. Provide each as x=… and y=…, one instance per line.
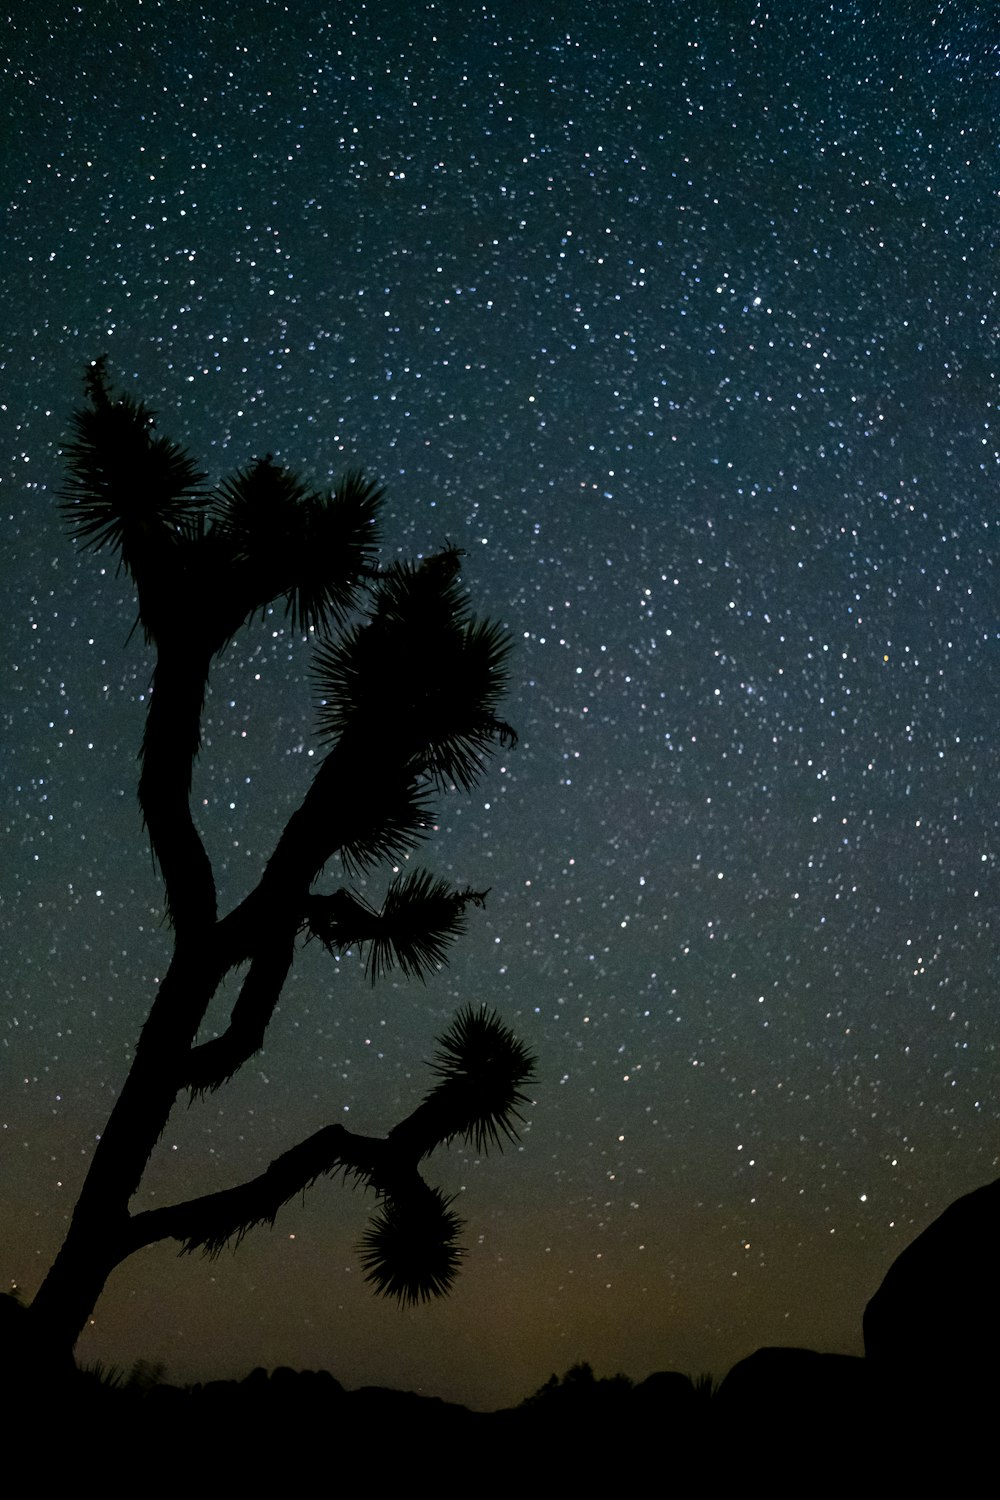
x=799, y=1382
x=793, y=1403
x=930, y=1339
x=936, y=1315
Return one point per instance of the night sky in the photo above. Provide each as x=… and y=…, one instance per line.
x=680, y=319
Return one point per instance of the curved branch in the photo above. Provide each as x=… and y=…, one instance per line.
x=480, y=1065
x=209, y=1222
x=346, y=808
x=170, y=743
x=363, y=805
x=212, y=1064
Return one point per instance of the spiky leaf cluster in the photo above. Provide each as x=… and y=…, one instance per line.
x=421, y=676
x=285, y=540
x=203, y=561
x=127, y=488
x=410, y=1249
x=420, y=918
x=481, y=1067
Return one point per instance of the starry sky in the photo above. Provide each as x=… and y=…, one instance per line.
x=680, y=319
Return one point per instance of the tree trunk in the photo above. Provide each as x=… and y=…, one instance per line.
x=100, y=1235
x=69, y=1293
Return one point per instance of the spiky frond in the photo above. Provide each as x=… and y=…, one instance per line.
x=482, y=1067
x=126, y=486
x=420, y=918
x=339, y=545
x=398, y=822
x=410, y=1249
x=421, y=677
x=288, y=541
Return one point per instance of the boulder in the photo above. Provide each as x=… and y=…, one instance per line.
x=777, y=1386
x=936, y=1317
x=795, y=1420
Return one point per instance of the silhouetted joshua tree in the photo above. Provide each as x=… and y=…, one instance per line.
x=409, y=684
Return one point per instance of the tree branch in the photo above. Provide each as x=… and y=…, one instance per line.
x=480, y=1066
x=208, y=1222
x=362, y=805
x=212, y=1064
x=170, y=743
